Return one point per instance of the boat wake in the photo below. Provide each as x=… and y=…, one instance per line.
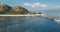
x=58, y=20
x=55, y=19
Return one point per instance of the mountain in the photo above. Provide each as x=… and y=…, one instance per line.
x=19, y=9
x=6, y=9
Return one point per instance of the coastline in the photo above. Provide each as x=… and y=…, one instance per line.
x=10, y=15
x=24, y=15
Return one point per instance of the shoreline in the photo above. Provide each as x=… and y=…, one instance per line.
x=23, y=15
x=6, y=15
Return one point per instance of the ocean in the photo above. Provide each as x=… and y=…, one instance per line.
x=28, y=24
x=48, y=23
x=54, y=13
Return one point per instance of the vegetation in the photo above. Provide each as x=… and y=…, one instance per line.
x=5, y=9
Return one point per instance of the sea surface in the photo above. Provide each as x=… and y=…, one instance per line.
x=54, y=13
x=28, y=24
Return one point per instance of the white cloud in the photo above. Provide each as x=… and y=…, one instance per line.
x=38, y=5
x=27, y=4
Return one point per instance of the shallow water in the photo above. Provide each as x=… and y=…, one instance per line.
x=28, y=24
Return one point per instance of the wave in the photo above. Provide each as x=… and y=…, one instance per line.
x=55, y=19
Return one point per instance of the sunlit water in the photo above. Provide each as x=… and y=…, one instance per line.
x=28, y=24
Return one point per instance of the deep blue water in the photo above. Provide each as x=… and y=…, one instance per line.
x=28, y=24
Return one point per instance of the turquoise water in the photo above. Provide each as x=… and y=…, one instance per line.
x=28, y=24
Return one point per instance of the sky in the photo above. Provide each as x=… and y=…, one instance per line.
x=34, y=5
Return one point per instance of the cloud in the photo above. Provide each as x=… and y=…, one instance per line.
x=37, y=5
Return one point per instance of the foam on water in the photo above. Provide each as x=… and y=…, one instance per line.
x=57, y=20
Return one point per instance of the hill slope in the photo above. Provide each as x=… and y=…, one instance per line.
x=5, y=9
